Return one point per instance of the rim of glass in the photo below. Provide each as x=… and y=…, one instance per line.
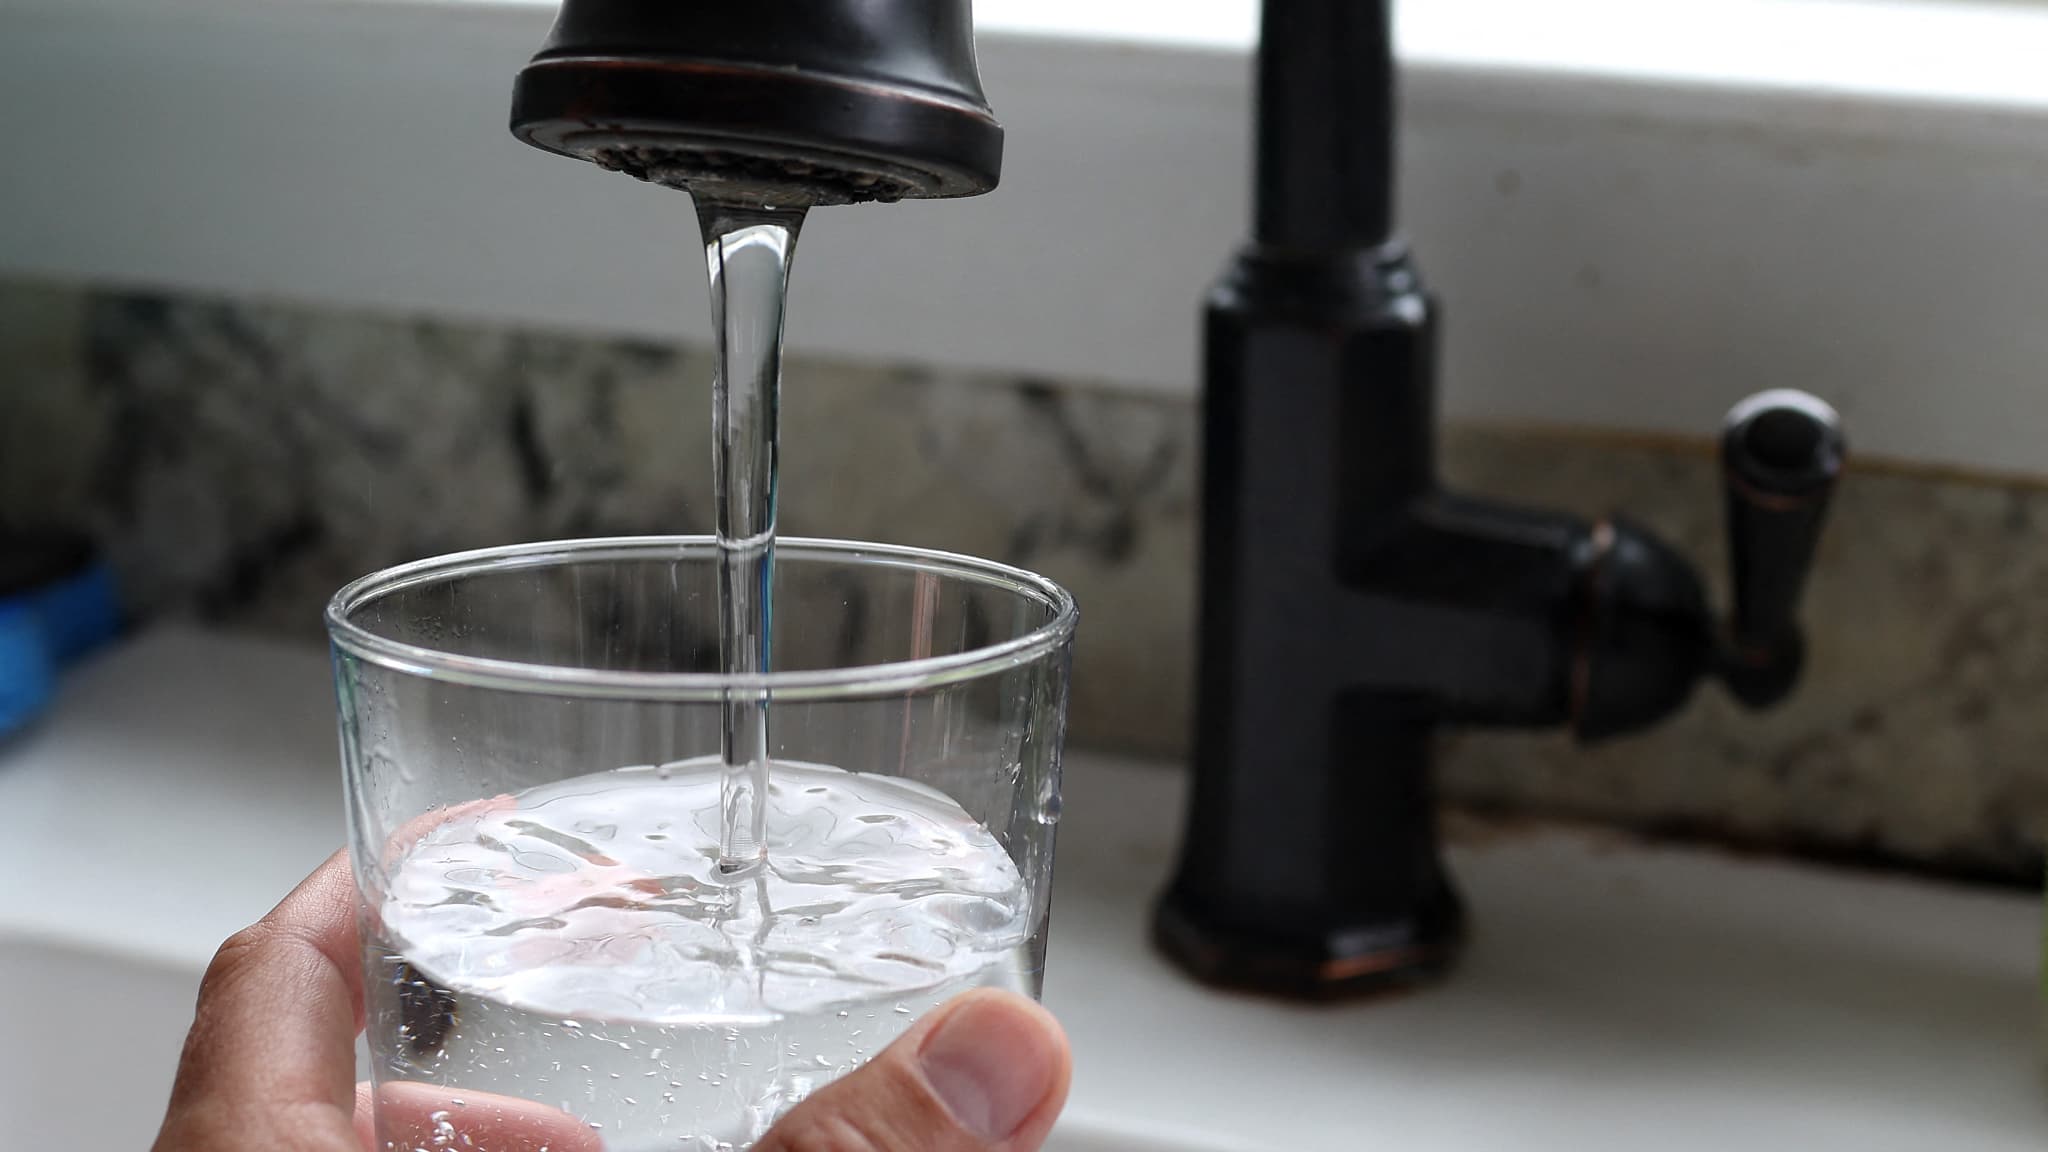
x=814, y=683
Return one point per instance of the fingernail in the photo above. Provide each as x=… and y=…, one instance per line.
x=992, y=1062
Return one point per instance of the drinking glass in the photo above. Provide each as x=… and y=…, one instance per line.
x=555, y=953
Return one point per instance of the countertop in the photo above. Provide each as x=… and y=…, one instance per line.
x=1616, y=994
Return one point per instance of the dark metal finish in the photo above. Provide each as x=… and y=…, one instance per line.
x=1325, y=126
x=1351, y=608
x=784, y=103
x=1782, y=453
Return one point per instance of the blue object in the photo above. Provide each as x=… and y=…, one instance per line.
x=28, y=673
x=80, y=613
x=57, y=603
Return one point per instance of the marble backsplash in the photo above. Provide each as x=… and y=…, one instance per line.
x=239, y=461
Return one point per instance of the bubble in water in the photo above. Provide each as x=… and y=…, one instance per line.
x=1048, y=810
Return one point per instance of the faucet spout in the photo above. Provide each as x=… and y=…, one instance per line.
x=781, y=103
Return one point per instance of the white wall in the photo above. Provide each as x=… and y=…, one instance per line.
x=1626, y=237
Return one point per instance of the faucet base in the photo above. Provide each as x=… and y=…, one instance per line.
x=1343, y=964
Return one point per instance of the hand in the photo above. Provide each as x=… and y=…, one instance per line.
x=270, y=1064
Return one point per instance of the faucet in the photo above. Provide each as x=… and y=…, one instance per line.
x=772, y=103
x=1351, y=607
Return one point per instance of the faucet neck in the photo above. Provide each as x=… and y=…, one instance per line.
x=1325, y=125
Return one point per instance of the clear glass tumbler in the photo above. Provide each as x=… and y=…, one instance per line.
x=554, y=954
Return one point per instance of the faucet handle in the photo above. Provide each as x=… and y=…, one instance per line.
x=1781, y=453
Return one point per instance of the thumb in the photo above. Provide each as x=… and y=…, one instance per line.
x=987, y=1072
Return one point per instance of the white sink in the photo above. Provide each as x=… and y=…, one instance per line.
x=91, y=1041
x=1616, y=995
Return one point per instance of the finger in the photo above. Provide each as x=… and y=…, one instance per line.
x=270, y=1060
x=987, y=1072
x=427, y=823
x=429, y=1116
